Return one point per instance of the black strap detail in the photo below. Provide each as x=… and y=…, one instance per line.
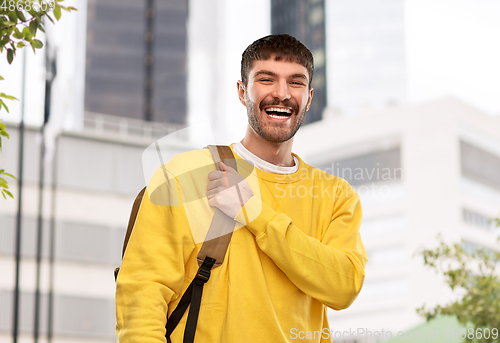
x=192, y=297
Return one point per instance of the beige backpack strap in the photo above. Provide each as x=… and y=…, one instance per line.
x=221, y=229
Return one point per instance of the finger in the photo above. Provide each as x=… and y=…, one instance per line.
x=211, y=193
x=211, y=185
x=214, y=175
x=216, y=186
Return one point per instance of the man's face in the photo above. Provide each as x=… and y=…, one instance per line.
x=277, y=97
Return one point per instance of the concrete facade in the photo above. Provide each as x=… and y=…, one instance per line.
x=434, y=193
x=97, y=177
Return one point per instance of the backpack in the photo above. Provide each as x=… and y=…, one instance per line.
x=211, y=255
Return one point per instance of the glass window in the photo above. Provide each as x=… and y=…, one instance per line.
x=480, y=165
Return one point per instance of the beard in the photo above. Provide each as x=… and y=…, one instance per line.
x=274, y=132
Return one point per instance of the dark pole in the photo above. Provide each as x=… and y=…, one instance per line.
x=51, y=245
x=50, y=74
x=39, y=236
x=149, y=61
x=15, y=326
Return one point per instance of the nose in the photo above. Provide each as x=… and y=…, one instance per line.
x=281, y=91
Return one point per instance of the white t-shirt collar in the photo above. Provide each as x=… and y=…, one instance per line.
x=241, y=151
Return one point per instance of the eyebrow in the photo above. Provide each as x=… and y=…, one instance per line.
x=270, y=73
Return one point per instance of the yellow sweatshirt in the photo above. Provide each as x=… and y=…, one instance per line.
x=300, y=253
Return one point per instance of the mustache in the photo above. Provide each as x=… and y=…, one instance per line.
x=276, y=102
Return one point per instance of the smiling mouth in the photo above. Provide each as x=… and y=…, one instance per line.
x=278, y=112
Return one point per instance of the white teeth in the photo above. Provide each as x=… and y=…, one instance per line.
x=277, y=117
x=279, y=109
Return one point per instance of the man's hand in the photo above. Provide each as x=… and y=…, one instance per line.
x=227, y=190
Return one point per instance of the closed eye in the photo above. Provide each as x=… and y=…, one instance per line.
x=266, y=81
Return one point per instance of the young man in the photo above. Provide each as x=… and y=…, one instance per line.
x=298, y=250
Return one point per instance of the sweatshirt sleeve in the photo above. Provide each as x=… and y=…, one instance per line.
x=330, y=270
x=152, y=271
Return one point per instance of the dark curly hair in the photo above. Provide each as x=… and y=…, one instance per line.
x=283, y=47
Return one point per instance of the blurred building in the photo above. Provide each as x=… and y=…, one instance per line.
x=98, y=173
x=362, y=44
x=420, y=171
x=134, y=50
x=305, y=20
x=366, y=54
x=217, y=39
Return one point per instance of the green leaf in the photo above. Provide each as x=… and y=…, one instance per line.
x=12, y=17
x=10, y=175
x=32, y=11
x=1, y=78
x=10, y=97
x=18, y=34
x=20, y=45
x=26, y=31
x=5, y=40
x=6, y=108
x=4, y=196
x=33, y=26
x=50, y=18
x=20, y=15
x=69, y=8
x=57, y=12
x=8, y=193
x=36, y=44
x=10, y=56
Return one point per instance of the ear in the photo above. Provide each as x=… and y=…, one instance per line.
x=241, y=92
x=311, y=92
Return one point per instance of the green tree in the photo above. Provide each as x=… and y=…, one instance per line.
x=20, y=21
x=473, y=276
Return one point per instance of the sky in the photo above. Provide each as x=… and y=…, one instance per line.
x=453, y=48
